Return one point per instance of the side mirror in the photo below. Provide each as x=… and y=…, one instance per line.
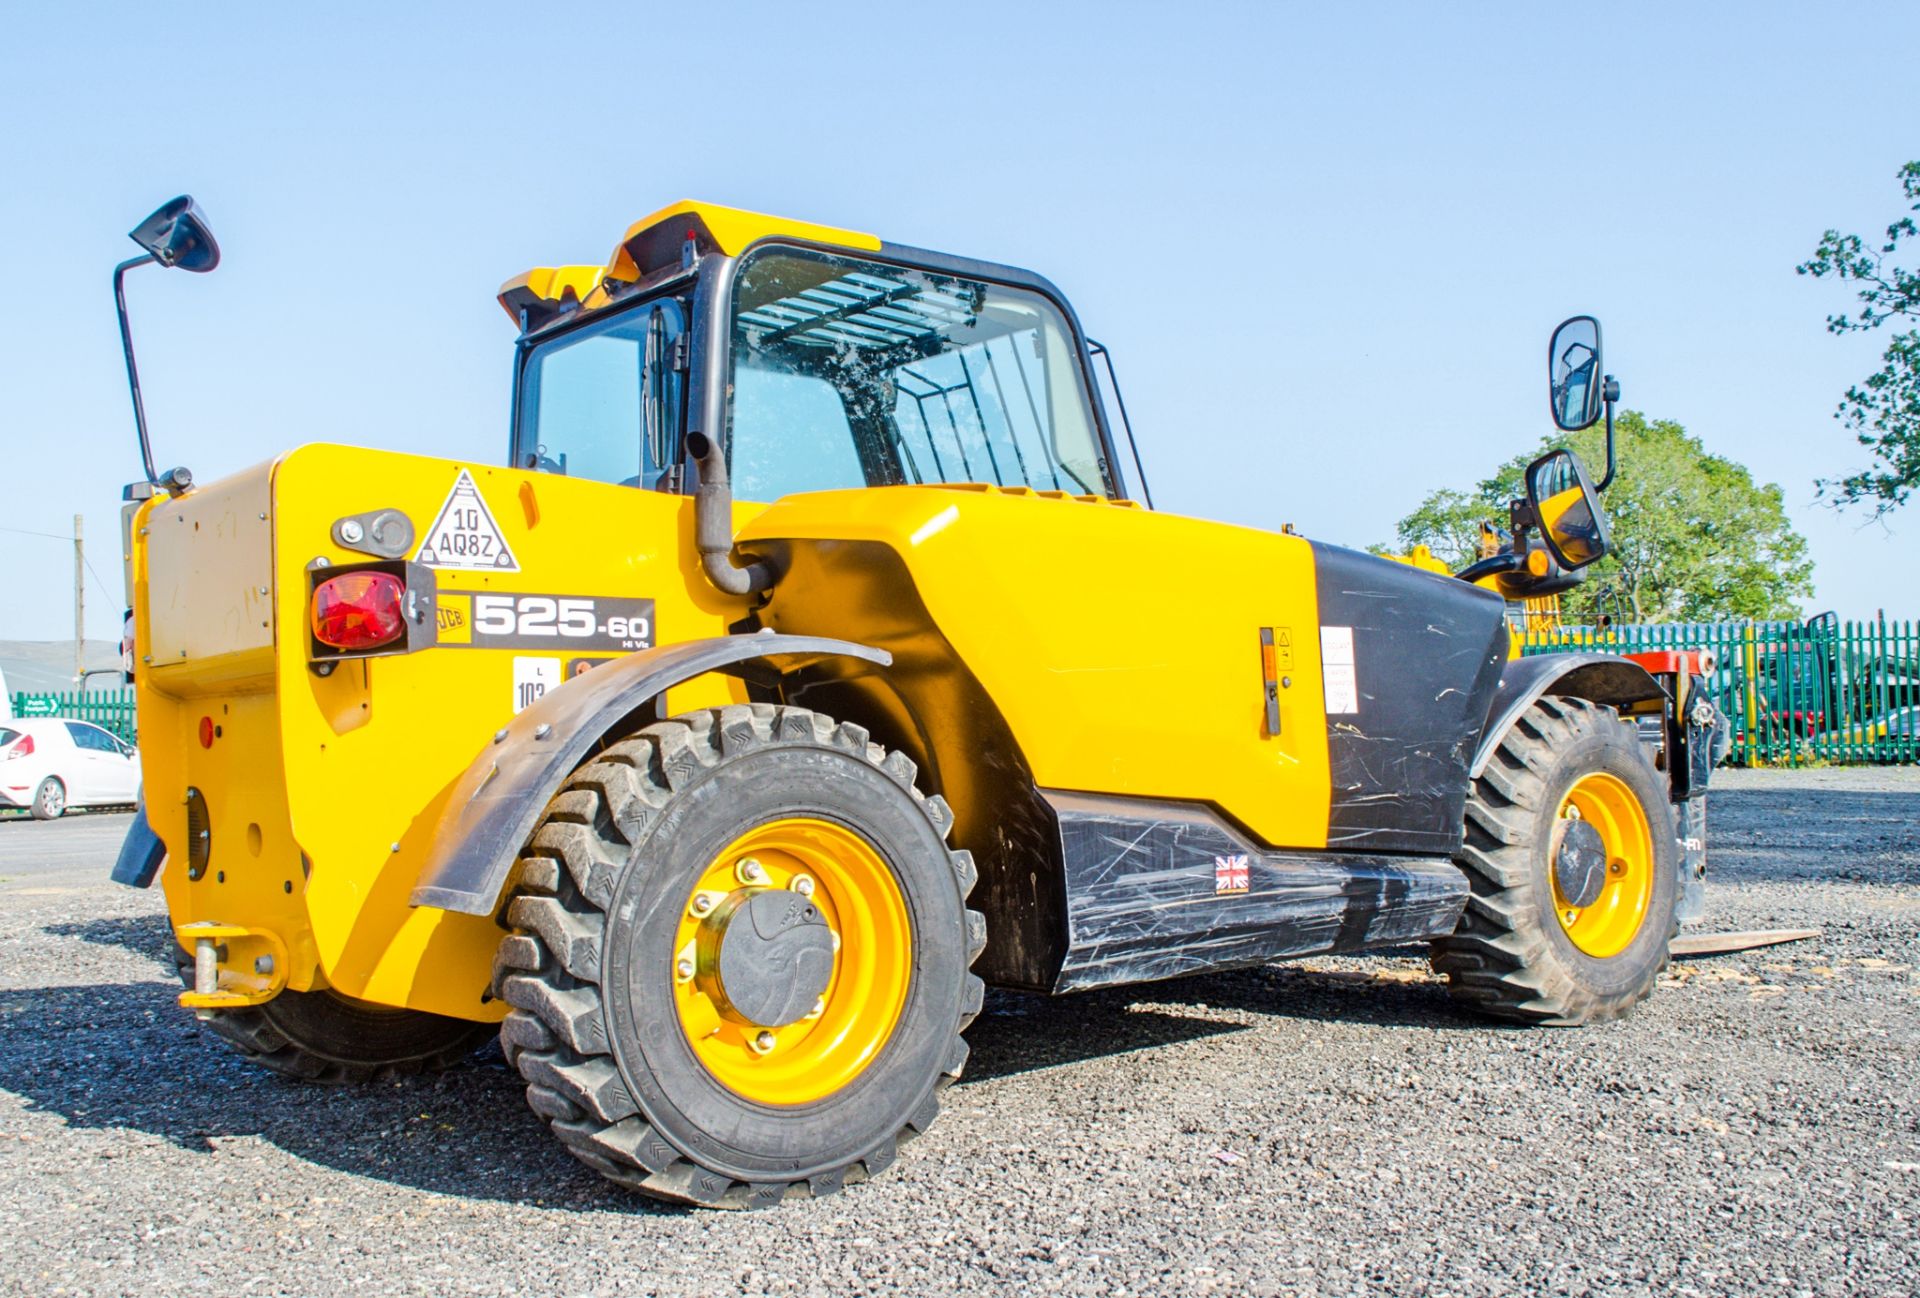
x=1574, y=376
x=177, y=235
x=1567, y=511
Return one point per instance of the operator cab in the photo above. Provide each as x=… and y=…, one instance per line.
x=827, y=359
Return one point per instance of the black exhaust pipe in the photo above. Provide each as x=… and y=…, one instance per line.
x=713, y=524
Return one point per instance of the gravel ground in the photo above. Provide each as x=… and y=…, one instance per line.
x=1329, y=1127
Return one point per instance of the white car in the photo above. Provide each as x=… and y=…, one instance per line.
x=48, y=764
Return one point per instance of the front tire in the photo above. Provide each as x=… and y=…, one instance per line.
x=739, y=966
x=1574, y=869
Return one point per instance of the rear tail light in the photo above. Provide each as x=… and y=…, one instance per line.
x=22, y=749
x=359, y=610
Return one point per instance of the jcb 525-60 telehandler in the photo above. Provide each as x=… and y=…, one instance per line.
x=722, y=813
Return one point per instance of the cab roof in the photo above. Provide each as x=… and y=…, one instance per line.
x=652, y=244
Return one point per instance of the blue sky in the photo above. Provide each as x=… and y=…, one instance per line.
x=1326, y=243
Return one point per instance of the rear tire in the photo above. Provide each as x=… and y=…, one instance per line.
x=325, y=1037
x=606, y=1025
x=1522, y=950
x=50, y=800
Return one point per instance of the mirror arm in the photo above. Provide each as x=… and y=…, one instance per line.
x=1610, y=391
x=1490, y=566
x=133, y=373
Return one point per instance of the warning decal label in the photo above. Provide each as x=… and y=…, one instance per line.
x=1337, y=670
x=464, y=534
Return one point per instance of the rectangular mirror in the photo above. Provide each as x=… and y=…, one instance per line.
x=1575, y=383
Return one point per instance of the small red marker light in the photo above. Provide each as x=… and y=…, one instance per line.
x=206, y=732
x=359, y=610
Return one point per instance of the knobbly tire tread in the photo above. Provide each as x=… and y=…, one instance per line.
x=1498, y=960
x=265, y=1036
x=554, y=1034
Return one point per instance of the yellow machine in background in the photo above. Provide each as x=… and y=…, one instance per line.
x=721, y=813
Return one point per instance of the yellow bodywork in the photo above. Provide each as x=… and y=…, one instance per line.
x=1059, y=606
x=322, y=791
x=730, y=229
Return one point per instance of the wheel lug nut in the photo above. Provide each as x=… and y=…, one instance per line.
x=751, y=871
x=683, y=968
x=702, y=902
x=819, y=1007
x=803, y=884
x=1573, y=916
x=763, y=1042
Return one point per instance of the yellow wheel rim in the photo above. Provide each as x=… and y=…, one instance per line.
x=1607, y=925
x=858, y=897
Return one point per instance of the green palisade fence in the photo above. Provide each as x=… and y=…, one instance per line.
x=108, y=709
x=1825, y=691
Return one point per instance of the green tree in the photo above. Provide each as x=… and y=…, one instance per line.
x=1694, y=537
x=1883, y=411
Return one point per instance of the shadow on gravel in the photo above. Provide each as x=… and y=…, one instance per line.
x=124, y=1056
x=145, y=935
x=1022, y=1032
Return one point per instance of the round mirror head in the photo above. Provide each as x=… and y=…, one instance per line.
x=1575, y=385
x=177, y=235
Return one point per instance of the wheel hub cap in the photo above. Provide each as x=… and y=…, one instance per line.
x=768, y=956
x=1580, y=864
x=1602, y=870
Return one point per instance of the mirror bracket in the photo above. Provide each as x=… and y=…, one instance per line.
x=1610, y=393
x=175, y=235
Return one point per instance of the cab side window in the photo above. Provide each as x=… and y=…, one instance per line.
x=604, y=401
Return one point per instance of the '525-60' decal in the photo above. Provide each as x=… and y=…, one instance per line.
x=488, y=620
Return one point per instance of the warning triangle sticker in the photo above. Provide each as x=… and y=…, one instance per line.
x=464, y=534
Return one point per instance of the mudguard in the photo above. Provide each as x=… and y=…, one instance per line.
x=1598, y=678
x=141, y=852
x=498, y=799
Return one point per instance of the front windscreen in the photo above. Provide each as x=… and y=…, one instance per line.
x=603, y=401
x=849, y=373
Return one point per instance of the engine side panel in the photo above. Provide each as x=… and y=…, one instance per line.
x=1411, y=662
x=1121, y=646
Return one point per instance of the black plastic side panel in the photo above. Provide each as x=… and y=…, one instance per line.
x=1427, y=654
x=1160, y=889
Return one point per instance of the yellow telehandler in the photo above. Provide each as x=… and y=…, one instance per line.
x=805, y=662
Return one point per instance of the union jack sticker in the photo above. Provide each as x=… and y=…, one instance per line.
x=1230, y=874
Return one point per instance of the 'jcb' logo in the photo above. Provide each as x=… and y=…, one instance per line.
x=451, y=623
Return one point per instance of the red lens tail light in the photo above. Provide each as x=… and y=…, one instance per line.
x=359, y=610
x=22, y=749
